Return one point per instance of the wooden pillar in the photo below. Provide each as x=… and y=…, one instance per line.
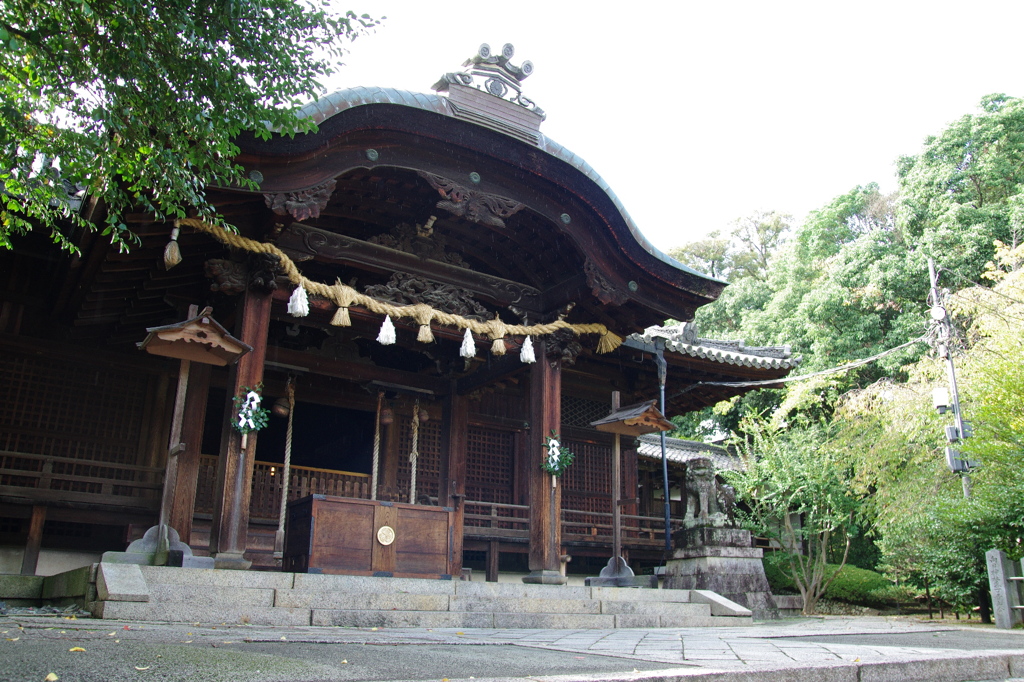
x=545, y=490
x=451, y=485
x=493, y=555
x=183, y=501
x=228, y=535
x=389, y=455
x=35, y=540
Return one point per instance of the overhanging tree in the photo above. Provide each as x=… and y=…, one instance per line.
x=136, y=102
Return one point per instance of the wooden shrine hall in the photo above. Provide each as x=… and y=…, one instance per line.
x=433, y=292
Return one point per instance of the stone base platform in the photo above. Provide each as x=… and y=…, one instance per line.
x=188, y=595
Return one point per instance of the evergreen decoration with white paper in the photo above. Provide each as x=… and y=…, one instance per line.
x=249, y=415
x=558, y=457
x=298, y=304
x=526, y=353
x=387, y=334
x=468, y=349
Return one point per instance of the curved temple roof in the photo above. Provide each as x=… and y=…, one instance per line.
x=350, y=98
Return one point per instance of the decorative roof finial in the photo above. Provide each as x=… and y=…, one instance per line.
x=494, y=74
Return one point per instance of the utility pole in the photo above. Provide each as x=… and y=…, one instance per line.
x=941, y=398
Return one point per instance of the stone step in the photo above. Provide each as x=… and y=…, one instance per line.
x=274, y=598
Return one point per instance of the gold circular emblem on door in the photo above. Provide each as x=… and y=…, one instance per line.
x=385, y=535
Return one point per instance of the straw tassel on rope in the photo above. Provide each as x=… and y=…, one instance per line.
x=172, y=252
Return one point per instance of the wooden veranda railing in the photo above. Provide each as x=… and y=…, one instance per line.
x=267, y=479
x=596, y=527
x=48, y=479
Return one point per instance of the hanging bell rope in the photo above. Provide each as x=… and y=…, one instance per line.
x=414, y=451
x=286, y=471
x=376, y=449
x=345, y=297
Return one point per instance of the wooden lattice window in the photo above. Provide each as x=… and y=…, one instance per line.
x=55, y=407
x=490, y=455
x=579, y=412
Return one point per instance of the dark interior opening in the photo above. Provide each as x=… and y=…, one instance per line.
x=323, y=436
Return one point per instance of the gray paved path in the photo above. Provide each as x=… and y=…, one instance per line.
x=804, y=650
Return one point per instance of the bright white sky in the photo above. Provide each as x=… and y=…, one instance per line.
x=698, y=113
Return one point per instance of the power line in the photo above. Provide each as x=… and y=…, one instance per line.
x=802, y=377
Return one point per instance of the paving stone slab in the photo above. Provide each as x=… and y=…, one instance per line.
x=636, y=594
x=675, y=609
x=229, y=597
x=21, y=587
x=192, y=613
x=212, y=577
x=400, y=619
x=121, y=582
x=520, y=590
x=556, y=621
x=388, y=601
x=523, y=605
x=937, y=670
x=367, y=584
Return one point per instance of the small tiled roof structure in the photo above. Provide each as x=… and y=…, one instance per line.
x=679, y=451
x=683, y=339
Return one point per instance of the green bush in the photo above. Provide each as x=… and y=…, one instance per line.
x=853, y=585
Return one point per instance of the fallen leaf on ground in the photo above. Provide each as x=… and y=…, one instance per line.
x=283, y=638
x=142, y=667
x=76, y=648
x=12, y=639
x=126, y=628
x=345, y=661
x=52, y=677
x=111, y=634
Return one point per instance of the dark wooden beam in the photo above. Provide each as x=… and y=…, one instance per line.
x=302, y=242
x=499, y=368
x=30, y=560
x=354, y=371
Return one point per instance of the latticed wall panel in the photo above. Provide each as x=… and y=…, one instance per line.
x=579, y=412
x=61, y=408
x=506, y=403
x=428, y=462
x=490, y=455
x=588, y=482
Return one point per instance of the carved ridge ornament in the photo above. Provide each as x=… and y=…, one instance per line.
x=303, y=204
x=406, y=289
x=605, y=291
x=476, y=207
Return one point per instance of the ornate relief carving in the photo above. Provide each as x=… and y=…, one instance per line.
x=228, y=276
x=405, y=289
x=263, y=271
x=409, y=238
x=605, y=291
x=477, y=207
x=232, y=277
x=563, y=343
x=304, y=204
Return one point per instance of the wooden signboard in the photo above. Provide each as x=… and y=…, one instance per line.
x=369, y=537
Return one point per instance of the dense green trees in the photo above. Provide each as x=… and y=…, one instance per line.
x=136, y=102
x=850, y=282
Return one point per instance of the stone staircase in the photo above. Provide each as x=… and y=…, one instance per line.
x=133, y=592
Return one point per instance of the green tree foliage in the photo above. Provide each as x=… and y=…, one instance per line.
x=799, y=492
x=966, y=188
x=136, y=102
x=746, y=252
